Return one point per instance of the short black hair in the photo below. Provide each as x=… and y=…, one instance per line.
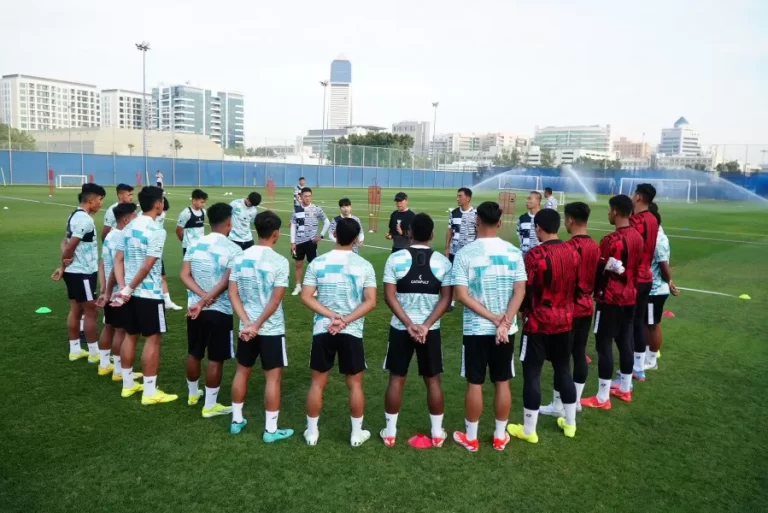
x=466, y=190
x=548, y=189
x=422, y=227
x=124, y=187
x=647, y=192
x=301, y=178
x=267, y=223
x=219, y=213
x=306, y=189
x=347, y=230
x=621, y=203
x=91, y=189
x=548, y=220
x=578, y=211
x=148, y=196
x=489, y=213
x=254, y=199
x=537, y=194
x=199, y=194
x=166, y=205
x=123, y=209
x=653, y=208
x=345, y=202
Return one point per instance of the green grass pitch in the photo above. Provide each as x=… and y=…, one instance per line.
x=693, y=440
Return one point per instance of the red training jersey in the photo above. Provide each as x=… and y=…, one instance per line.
x=627, y=245
x=648, y=227
x=589, y=252
x=552, y=268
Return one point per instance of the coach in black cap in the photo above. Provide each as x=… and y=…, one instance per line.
x=400, y=223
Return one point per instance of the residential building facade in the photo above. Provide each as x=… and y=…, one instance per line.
x=319, y=140
x=584, y=137
x=340, y=94
x=630, y=149
x=126, y=109
x=419, y=130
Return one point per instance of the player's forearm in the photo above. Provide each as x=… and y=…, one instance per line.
x=446, y=294
x=390, y=298
x=189, y=281
x=119, y=269
x=448, y=238
x=462, y=294
x=518, y=294
x=368, y=304
x=69, y=248
x=105, y=231
x=666, y=271
x=142, y=273
x=111, y=282
x=326, y=225
x=237, y=304
x=220, y=287
x=313, y=304
x=331, y=236
x=102, y=285
x=293, y=233
x=272, y=305
x=180, y=233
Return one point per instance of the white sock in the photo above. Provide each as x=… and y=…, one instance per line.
x=150, y=385
x=579, y=391
x=128, y=377
x=391, y=423
x=271, y=421
x=570, y=414
x=312, y=423
x=104, y=354
x=192, y=386
x=556, y=402
x=626, y=382
x=530, y=418
x=167, y=297
x=471, y=429
x=453, y=303
x=437, y=425
x=603, y=390
x=639, y=361
x=650, y=358
x=211, y=394
x=237, y=412
x=93, y=348
x=118, y=371
x=74, y=347
x=357, y=425
x=82, y=324
x=501, y=428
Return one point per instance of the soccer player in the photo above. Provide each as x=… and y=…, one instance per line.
x=112, y=334
x=417, y=288
x=159, y=179
x=621, y=252
x=124, y=195
x=160, y=220
x=661, y=288
x=205, y=272
x=549, y=199
x=346, y=292
x=257, y=286
x=345, y=209
x=400, y=222
x=462, y=228
x=304, y=236
x=526, y=231
x=137, y=271
x=576, y=217
x=297, y=192
x=243, y=214
x=80, y=263
x=191, y=223
x=645, y=223
x=552, y=268
x=489, y=278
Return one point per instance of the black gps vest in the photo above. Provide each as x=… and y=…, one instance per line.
x=195, y=221
x=419, y=279
x=88, y=237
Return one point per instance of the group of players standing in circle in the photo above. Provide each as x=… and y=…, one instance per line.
x=556, y=287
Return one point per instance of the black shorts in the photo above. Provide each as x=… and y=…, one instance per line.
x=611, y=320
x=400, y=352
x=159, y=184
x=81, y=287
x=535, y=348
x=115, y=317
x=350, y=350
x=656, y=309
x=162, y=267
x=306, y=249
x=244, y=244
x=643, y=293
x=211, y=330
x=144, y=316
x=271, y=348
x=451, y=256
x=479, y=352
x=183, y=252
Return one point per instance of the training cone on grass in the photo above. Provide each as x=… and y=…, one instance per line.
x=420, y=442
x=668, y=314
x=43, y=310
x=744, y=296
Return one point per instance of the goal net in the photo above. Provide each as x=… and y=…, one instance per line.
x=519, y=183
x=667, y=189
x=70, y=181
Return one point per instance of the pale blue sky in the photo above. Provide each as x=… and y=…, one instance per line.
x=504, y=65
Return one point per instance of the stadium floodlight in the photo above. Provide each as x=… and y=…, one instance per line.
x=667, y=189
x=323, y=83
x=434, y=128
x=143, y=47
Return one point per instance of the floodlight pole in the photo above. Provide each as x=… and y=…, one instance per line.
x=143, y=47
x=434, y=130
x=323, y=83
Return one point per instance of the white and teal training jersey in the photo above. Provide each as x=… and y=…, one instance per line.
x=242, y=219
x=660, y=287
x=109, y=216
x=108, y=250
x=86, y=257
x=160, y=220
x=489, y=269
x=210, y=257
x=340, y=277
x=143, y=238
x=191, y=233
x=417, y=306
x=257, y=271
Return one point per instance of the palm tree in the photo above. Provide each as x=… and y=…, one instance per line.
x=176, y=146
x=130, y=149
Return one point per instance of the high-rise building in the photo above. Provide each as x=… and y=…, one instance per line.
x=419, y=130
x=631, y=149
x=680, y=140
x=126, y=109
x=472, y=145
x=340, y=99
x=194, y=110
x=586, y=137
x=36, y=103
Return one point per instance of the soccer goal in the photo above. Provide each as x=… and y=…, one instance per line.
x=70, y=181
x=667, y=189
x=519, y=183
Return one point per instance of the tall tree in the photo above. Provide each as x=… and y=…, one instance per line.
x=381, y=149
x=547, y=159
x=20, y=140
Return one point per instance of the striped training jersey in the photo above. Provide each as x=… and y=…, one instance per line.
x=109, y=216
x=209, y=258
x=550, y=291
x=306, y=220
x=624, y=244
x=526, y=232
x=332, y=230
x=108, y=250
x=589, y=252
x=648, y=227
x=143, y=238
x=662, y=254
x=242, y=219
x=193, y=222
x=85, y=259
x=464, y=228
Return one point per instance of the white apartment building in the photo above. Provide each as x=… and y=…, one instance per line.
x=126, y=109
x=419, y=130
x=36, y=103
x=480, y=145
x=567, y=155
x=680, y=140
x=340, y=93
x=584, y=137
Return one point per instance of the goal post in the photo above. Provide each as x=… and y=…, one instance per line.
x=667, y=189
x=70, y=181
x=520, y=183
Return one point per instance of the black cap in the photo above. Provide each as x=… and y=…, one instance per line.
x=400, y=196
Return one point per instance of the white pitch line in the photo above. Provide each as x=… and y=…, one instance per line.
x=707, y=292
